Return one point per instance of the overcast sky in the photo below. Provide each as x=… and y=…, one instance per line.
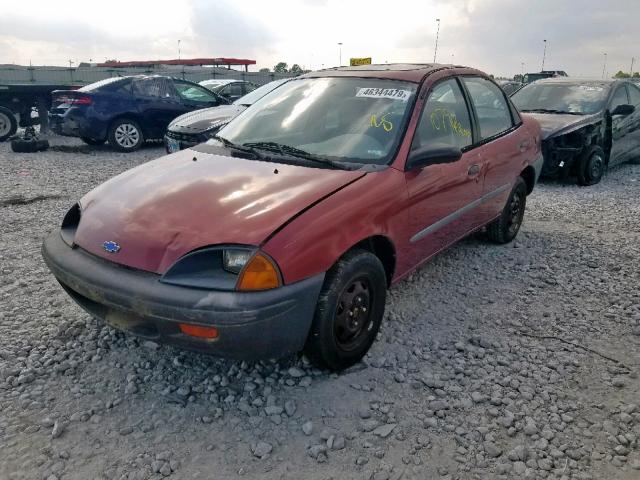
x=493, y=35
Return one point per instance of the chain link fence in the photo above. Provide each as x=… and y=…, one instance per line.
x=86, y=75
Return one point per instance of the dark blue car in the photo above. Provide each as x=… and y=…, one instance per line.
x=126, y=111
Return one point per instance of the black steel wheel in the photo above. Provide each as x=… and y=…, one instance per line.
x=507, y=225
x=591, y=166
x=349, y=311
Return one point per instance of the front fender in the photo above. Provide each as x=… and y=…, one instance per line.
x=311, y=243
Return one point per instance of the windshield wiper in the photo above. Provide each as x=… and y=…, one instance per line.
x=549, y=110
x=293, y=152
x=240, y=148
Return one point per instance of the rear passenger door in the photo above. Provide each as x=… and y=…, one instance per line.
x=443, y=198
x=157, y=104
x=502, y=150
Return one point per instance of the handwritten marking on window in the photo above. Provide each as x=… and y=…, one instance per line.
x=441, y=117
x=387, y=125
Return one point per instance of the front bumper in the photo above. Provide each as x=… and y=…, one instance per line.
x=251, y=325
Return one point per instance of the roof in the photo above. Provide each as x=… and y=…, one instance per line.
x=192, y=61
x=411, y=72
x=578, y=81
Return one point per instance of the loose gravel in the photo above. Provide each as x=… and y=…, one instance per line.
x=494, y=362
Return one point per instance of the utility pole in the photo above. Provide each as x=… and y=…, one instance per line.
x=544, y=54
x=604, y=66
x=631, y=71
x=435, y=51
x=340, y=54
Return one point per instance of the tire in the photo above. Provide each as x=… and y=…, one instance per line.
x=507, y=225
x=20, y=145
x=125, y=135
x=92, y=141
x=356, y=283
x=591, y=166
x=8, y=124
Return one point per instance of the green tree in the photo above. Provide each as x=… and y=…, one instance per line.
x=295, y=68
x=281, y=68
x=621, y=74
x=264, y=70
x=636, y=74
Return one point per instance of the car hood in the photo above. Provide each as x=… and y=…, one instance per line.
x=554, y=124
x=200, y=120
x=163, y=209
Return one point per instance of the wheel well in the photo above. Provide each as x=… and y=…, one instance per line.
x=529, y=177
x=382, y=248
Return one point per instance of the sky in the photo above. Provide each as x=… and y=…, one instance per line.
x=496, y=36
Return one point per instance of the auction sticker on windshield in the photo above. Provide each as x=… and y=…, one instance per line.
x=392, y=93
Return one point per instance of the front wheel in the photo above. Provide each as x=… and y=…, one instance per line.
x=125, y=135
x=591, y=166
x=506, y=226
x=349, y=311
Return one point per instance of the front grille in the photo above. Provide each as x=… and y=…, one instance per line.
x=185, y=137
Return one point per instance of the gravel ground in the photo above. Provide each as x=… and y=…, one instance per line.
x=515, y=361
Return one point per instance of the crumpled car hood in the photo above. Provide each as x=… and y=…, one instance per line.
x=554, y=124
x=201, y=120
x=163, y=209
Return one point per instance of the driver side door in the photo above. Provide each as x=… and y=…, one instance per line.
x=443, y=198
x=621, y=125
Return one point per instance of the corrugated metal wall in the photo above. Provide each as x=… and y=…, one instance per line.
x=86, y=75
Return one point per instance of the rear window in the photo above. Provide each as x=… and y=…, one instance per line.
x=109, y=84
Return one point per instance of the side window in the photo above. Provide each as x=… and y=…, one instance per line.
x=491, y=107
x=152, y=87
x=194, y=93
x=248, y=87
x=445, y=118
x=619, y=98
x=634, y=95
x=232, y=90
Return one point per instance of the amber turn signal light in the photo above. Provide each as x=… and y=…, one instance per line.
x=198, y=331
x=259, y=273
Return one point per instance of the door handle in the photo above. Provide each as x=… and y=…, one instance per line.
x=524, y=145
x=473, y=170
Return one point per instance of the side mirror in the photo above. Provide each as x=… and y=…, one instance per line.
x=623, y=110
x=431, y=155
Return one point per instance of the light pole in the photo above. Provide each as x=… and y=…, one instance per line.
x=544, y=54
x=631, y=72
x=340, y=54
x=435, y=51
x=452, y=59
x=178, y=49
x=604, y=65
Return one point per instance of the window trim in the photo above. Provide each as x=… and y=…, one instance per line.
x=424, y=106
x=514, y=125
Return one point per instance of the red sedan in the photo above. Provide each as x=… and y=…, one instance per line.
x=284, y=232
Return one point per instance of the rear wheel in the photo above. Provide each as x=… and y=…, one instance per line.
x=92, y=141
x=506, y=226
x=591, y=166
x=125, y=135
x=8, y=123
x=349, y=311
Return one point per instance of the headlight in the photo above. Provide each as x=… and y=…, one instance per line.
x=234, y=260
x=225, y=268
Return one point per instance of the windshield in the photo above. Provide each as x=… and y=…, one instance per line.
x=561, y=97
x=258, y=93
x=357, y=120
